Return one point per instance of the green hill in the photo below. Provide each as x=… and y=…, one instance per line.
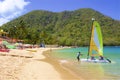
x=63, y=28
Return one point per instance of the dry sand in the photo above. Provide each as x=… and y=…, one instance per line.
x=31, y=64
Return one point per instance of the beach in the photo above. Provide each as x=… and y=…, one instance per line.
x=31, y=64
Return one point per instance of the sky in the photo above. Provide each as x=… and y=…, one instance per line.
x=11, y=9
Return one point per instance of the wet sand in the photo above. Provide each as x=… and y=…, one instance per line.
x=65, y=74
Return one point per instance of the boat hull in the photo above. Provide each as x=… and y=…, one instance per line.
x=94, y=61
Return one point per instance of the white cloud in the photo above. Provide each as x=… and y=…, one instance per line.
x=10, y=9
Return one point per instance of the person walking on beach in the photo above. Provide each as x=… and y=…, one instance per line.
x=78, y=56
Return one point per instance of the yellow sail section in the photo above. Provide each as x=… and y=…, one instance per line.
x=96, y=45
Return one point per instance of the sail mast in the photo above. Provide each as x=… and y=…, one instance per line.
x=93, y=19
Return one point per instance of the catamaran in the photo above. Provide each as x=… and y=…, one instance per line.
x=96, y=45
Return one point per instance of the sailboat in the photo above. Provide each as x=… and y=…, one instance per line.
x=96, y=45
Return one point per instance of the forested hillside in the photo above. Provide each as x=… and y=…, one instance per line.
x=71, y=28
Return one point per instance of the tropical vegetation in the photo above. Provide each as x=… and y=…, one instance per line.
x=67, y=28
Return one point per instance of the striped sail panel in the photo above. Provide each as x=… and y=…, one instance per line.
x=96, y=44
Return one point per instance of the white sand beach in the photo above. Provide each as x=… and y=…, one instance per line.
x=30, y=64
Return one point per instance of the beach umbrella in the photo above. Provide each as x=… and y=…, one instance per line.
x=10, y=46
x=5, y=42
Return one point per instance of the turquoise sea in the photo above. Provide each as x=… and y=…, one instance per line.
x=90, y=71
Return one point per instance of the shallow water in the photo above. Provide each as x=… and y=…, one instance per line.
x=90, y=71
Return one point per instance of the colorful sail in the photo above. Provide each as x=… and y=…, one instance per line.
x=96, y=43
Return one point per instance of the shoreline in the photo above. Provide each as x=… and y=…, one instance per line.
x=66, y=74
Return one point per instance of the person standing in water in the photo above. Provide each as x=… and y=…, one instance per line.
x=78, y=56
